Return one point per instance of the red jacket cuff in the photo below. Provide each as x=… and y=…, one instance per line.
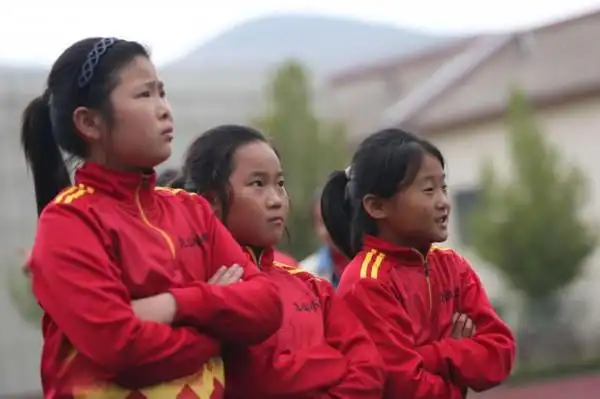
x=432, y=360
x=193, y=305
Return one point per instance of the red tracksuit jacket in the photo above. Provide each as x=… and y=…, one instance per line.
x=406, y=302
x=321, y=351
x=113, y=238
x=284, y=258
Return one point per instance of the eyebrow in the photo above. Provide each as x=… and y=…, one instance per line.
x=265, y=174
x=434, y=177
x=155, y=84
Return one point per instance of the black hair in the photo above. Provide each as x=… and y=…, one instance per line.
x=178, y=182
x=167, y=177
x=208, y=163
x=384, y=163
x=84, y=75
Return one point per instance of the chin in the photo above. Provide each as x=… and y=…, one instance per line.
x=440, y=237
x=273, y=239
x=160, y=158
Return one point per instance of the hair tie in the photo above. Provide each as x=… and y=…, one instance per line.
x=93, y=58
x=350, y=191
x=52, y=111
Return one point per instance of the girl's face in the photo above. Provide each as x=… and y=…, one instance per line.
x=417, y=215
x=142, y=127
x=259, y=201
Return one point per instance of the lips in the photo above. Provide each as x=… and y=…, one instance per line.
x=168, y=133
x=442, y=220
x=275, y=220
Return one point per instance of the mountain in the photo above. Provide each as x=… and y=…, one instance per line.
x=323, y=43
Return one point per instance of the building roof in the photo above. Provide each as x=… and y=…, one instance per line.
x=552, y=63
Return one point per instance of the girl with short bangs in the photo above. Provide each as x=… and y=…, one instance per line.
x=321, y=350
x=424, y=306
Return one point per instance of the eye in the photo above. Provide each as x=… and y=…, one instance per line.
x=445, y=188
x=281, y=183
x=163, y=93
x=428, y=190
x=257, y=183
x=146, y=93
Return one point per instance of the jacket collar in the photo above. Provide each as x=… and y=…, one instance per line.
x=262, y=258
x=407, y=255
x=124, y=186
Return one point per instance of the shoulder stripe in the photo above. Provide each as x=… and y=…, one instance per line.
x=370, y=268
x=439, y=248
x=173, y=191
x=64, y=193
x=71, y=194
x=293, y=270
x=283, y=265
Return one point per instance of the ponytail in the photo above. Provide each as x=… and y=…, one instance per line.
x=50, y=174
x=337, y=213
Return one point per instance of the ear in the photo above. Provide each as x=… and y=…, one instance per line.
x=88, y=123
x=377, y=208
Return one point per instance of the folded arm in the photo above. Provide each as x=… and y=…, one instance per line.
x=73, y=267
x=244, y=313
x=483, y=361
x=366, y=373
x=391, y=330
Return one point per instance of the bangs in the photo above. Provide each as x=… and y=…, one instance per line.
x=399, y=166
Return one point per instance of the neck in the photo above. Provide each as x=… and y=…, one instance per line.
x=422, y=248
x=255, y=253
x=104, y=161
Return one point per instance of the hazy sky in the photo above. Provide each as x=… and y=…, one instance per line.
x=36, y=31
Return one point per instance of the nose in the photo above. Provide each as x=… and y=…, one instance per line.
x=275, y=198
x=164, y=110
x=442, y=202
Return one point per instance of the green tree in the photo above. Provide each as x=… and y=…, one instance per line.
x=310, y=148
x=531, y=227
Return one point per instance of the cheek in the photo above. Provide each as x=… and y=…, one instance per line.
x=286, y=205
x=244, y=211
x=136, y=116
x=413, y=212
x=129, y=127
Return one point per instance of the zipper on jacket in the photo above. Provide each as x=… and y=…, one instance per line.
x=254, y=258
x=163, y=233
x=427, y=280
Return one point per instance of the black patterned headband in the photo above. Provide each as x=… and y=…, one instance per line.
x=93, y=58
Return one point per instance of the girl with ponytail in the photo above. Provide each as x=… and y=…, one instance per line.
x=424, y=307
x=107, y=244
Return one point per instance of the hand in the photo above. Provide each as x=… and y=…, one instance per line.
x=462, y=326
x=160, y=308
x=25, y=268
x=227, y=275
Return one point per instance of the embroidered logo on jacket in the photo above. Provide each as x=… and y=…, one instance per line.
x=449, y=294
x=308, y=306
x=193, y=240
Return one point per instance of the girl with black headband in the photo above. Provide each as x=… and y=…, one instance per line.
x=112, y=238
